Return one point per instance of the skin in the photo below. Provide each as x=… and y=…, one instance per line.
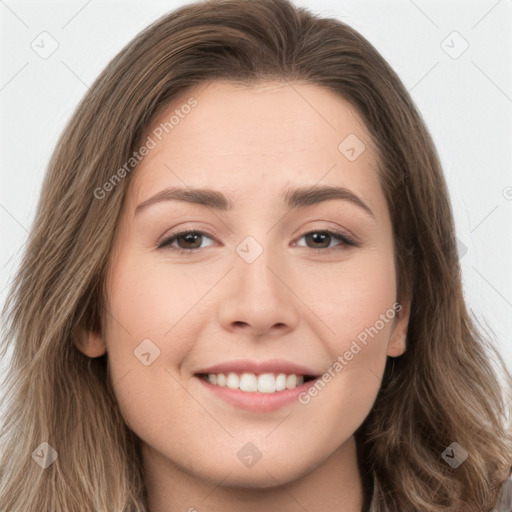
x=293, y=302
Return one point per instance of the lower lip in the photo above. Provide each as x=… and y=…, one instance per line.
x=255, y=401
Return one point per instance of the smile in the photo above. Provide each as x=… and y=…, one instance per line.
x=257, y=383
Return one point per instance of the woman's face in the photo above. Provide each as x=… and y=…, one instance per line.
x=281, y=280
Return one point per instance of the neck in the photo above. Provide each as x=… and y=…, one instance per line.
x=334, y=485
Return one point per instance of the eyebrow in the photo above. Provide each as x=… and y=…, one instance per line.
x=292, y=197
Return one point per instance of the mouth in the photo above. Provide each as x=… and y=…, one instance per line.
x=256, y=386
x=257, y=382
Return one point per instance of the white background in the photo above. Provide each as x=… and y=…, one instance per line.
x=466, y=103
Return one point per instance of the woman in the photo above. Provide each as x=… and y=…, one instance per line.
x=263, y=370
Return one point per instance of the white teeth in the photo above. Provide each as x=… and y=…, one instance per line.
x=250, y=382
x=233, y=381
x=266, y=383
x=281, y=382
x=291, y=381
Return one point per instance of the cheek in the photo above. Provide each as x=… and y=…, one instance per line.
x=362, y=319
x=156, y=311
x=153, y=300
x=358, y=304
x=146, y=309
x=163, y=303
x=352, y=295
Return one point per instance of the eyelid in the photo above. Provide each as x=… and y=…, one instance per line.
x=345, y=240
x=174, y=235
x=346, y=237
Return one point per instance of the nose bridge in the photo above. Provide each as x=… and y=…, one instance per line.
x=257, y=297
x=253, y=266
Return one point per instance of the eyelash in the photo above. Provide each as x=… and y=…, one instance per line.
x=346, y=240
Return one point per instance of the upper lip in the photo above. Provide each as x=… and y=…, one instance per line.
x=258, y=367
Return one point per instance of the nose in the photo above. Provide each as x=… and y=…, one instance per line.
x=259, y=299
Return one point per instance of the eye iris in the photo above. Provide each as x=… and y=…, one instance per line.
x=188, y=238
x=193, y=239
x=319, y=237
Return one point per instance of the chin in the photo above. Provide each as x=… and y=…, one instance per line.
x=263, y=474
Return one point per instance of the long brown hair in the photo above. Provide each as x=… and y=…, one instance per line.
x=444, y=389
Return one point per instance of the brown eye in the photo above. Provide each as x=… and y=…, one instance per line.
x=319, y=240
x=187, y=241
x=322, y=240
x=190, y=240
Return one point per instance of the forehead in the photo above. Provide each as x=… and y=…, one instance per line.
x=258, y=139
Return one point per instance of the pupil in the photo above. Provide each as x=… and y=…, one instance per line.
x=188, y=237
x=320, y=237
